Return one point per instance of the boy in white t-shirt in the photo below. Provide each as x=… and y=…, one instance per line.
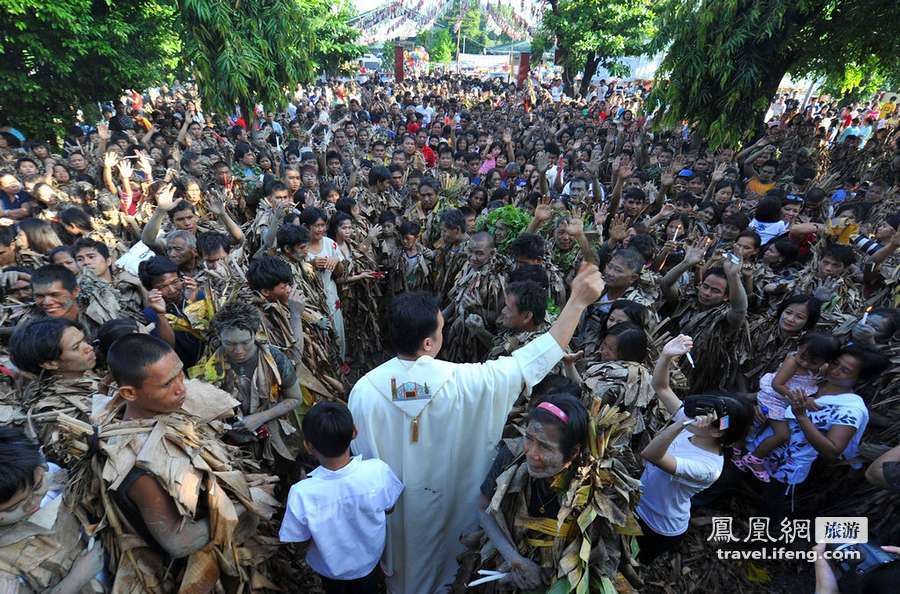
x=341, y=507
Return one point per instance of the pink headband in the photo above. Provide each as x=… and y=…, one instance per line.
x=555, y=411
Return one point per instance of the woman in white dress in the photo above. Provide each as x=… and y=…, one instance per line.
x=327, y=259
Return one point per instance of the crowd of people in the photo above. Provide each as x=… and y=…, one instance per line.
x=435, y=331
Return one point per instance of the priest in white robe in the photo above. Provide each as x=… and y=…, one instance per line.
x=436, y=424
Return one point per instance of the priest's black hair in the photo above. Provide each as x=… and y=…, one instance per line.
x=413, y=318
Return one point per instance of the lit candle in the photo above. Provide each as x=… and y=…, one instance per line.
x=865, y=317
x=690, y=360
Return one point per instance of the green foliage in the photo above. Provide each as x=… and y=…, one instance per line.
x=335, y=40
x=58, y=56
x=387, y=56
x=593, y=33
x=725, y=59
x=514, y=221
x=249, y=51
x=441, y=46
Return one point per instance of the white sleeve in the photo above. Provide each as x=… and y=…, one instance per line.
x=392, y=487
x=502, y=380
x=701, y=471
x=294, y=527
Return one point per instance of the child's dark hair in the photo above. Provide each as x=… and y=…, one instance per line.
x=328, y=426
x=573, y=432
x=822, y=347
x=19, y=457
x=631, y=342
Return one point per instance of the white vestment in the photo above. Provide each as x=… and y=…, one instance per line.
x=461, y=410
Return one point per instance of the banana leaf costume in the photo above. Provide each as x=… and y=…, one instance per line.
x=718, y=347
x=255, y=394
x=276, y=325
x=37, y=403
x=488, y=284
x=372, y=204
x=184, y=452
x=629, y=386
x=584, y=546
x=101, y=301
x=41, y=549
x=769, y=346
x=360, y=304
x=447, y=267
x=405, y=274
x=317, y=326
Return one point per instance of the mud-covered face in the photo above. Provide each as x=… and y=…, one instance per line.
x=25, y=501
x=543, y=454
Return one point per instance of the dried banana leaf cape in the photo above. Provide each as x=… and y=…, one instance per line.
x=581, y=550
x=717, y=348
x=36, y=404
x=488, y=284
x=265, y=391
x=185, y=453
x=360, y=304
x=276, y=326
x=41, y=549
x=101, y=301
x=845, y=299
x=626, y=384
x=769, y=346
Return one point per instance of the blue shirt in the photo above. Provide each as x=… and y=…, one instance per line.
x=18, y=200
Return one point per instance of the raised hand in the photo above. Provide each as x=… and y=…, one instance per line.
x=103, y=131
x=575, y=224
x=191, y=289
x=126, y=169
x=110, y=159
x=694, y=254
x=601, y=211
x=542, y=162
x=215, y=203
x=587, y=286
x=732, y=265
x=543, y=212
x=678, y=346
x=165, y=198
x=618, y=230
x=718, y=173
x=667, y=179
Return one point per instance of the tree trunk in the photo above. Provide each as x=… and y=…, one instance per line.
x=590, y=67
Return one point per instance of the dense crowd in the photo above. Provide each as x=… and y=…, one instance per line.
x=547, y=326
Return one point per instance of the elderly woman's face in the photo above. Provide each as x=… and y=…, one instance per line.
x=543, y=454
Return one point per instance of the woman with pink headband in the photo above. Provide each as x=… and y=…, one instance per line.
x=554, y=438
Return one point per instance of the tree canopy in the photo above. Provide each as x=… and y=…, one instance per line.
x=725, y=60
x=592, y=33
x=58, y=56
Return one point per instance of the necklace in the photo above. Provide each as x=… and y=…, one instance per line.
x=542, y=501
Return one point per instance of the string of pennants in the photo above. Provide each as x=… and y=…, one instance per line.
x=407, y=17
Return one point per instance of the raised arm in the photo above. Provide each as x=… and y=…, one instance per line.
x=692, y=257
x=737, y=296
x=164, y=203
x=678, y=346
